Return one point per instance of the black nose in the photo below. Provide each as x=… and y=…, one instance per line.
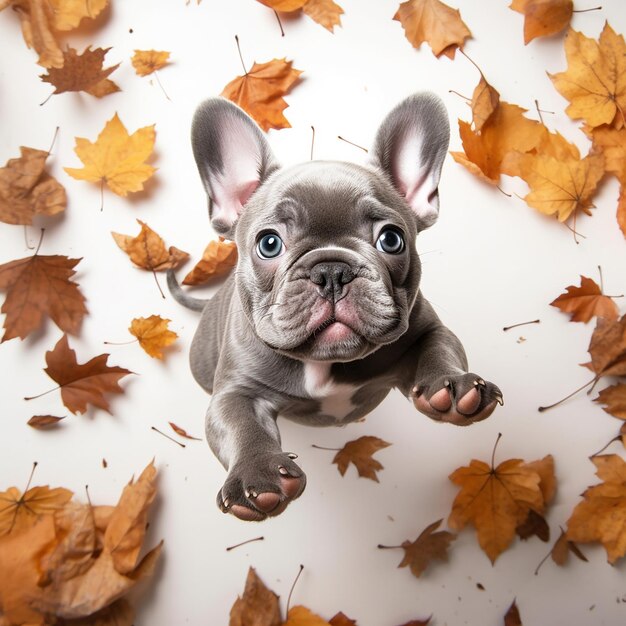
x=331, y=278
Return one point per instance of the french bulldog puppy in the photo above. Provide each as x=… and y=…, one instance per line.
x=323, y=314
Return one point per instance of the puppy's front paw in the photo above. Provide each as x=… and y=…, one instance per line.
x=461, y=399
x=261, y=487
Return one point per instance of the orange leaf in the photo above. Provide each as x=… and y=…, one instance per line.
x=153, y=334
x=585, y=302
x=301, y=616
x=287, y=6
x=26, y=189
x=608, y=348
x=44, y=421
x=614, y=398
x=561, y=550
x=82, y=384
x=594, y=80
x=485, y=101
x=433, y=22
x=341, y=620
x=146, y=62
x=260, y=92
x=217, y=260
x=182, y=432
x=324, y=12
x=258, y=605
x=359, y=452
x=39, y=286
x=543, y=17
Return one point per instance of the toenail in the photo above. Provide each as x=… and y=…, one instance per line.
x=480, y=382
x=283, y=471
x=500, y=400
x=292, y=455
x=446, y=384
x=251, y=494
x=226, y=503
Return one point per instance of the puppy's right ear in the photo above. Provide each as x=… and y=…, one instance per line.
x=233, y=158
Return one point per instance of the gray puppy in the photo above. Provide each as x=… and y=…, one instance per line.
x=323, y=315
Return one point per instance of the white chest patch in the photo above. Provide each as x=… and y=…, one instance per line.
x=335, y=398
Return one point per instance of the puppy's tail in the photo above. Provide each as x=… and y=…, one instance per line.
x=195, y=304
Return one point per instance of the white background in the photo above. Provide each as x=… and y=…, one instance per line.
x=490, y=261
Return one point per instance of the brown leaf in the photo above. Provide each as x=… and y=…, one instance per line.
x=547, y=479
x=183, y=433
x=341, y=620
x=433, y=22
x=418, y=622
x=359, y=452
x=485, y=101
x=218, y=259
x=120, y=613
x=534, y=525
x=615, y=399
x=153, y=334
x=82, y=72
x=543, y=17
x=39, y=286
x=147, y=250
x=260, y=92
x=83, y=384
x=512, y=616
x=324, y=12
x=257, y=607
x=608, y=348
x=585, y=302
x=44, y=421
x=146, y=62
x=26, y=189
x=562, y=548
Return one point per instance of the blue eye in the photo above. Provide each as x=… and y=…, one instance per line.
x=269, y=246
x=390, y=241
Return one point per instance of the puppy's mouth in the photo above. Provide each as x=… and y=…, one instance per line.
x=331, y=330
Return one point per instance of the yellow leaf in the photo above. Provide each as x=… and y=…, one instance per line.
x=301, y=616
x=68, y=14
x=153, y=334
x=116, y=157
x=147, y=61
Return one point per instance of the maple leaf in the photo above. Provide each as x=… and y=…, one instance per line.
x=44, y=421
x=543, y=17
x=341, y=620
x=601, y=516
x=614, y=398
x=585, y=302
x=512, y=616
x=428, y=546
x=82, y=72
x=608, y=348
x=594, y=81
x=258, y=605
x=153, y=334
x=217, y=260
x=116, y=158
x=39, y=286
x=433, y=22
x=146, y=62
x=82, y=384
x=182, y=432
x=301, y=616
x=260, y=92
x=506, y=131
x=359, y=452
x=147, y=250
x=325, y=12
x=26, y=189
x=495, y=500
x=68, y=14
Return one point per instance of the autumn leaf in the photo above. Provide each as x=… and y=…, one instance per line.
x=496, y=501
x=428, y=546
x=40, y=286
x=601, y=516
x=325, y=12
x=512, y=616
x=82, y=384
x=153, y=334
x=614, y=397
x=563, y=547
x=146, y=62
x=286, y=6
x=116, y=158
x=218, y=259
x=301, y=616
x=543, y=18
x=341, y=620
x=82, y=72
x=44, y=421
x=608, y=348
x=485, y=101
x=182, y=432
x=594, y=80
x=26, y=189
x=258, y=606
x=418, y=622
x=433, y=22
x=506, y=131
x=68, y=14
x=359, y=452
x=585, y=302
x=260, y=92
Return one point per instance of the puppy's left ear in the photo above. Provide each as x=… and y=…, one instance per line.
x=410, y=147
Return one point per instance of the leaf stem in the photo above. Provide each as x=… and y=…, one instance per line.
x=243, y=543
x=587, y=10
x=456, y=93
x=356, y=145
x=505, y=328
x=323, y=448
x=292, y=588
x=601, y=450
x=541, y=409
x=280, y=24
x=158, y=80
x=43, y=394
x=382, y=547
x=245, y=71
x=43, y=231
x=312, y=141
x=493, y=452
x=56, y=132
x=157, y=283
x=121, y=343
x=182, y=445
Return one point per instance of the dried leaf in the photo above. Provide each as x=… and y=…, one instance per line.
x=614, y=398
x=147, y=250
x=153, y=334
x=301, y=616
x=146, y=62
x=324, y=12
x=601, y=516
x=585, y=302
x=120, y=613
x=512, y=616
x=608, y=348
x=26, y=189
x=116, y=158
x=485, y=101
x=594, y=80
x=562, y=548
x=43, y=422
x=257, y=607
x=418, y=622
x=260, y=92
x=359, y=452
x=83, y=384
x=68, y=14
x=40, y=286
x=433, y=22
x=535, y=525
x=286, y=6
x=341, y=620
x=543, y=17
x=218, y=259
x=82, y=72
x=183, y=433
